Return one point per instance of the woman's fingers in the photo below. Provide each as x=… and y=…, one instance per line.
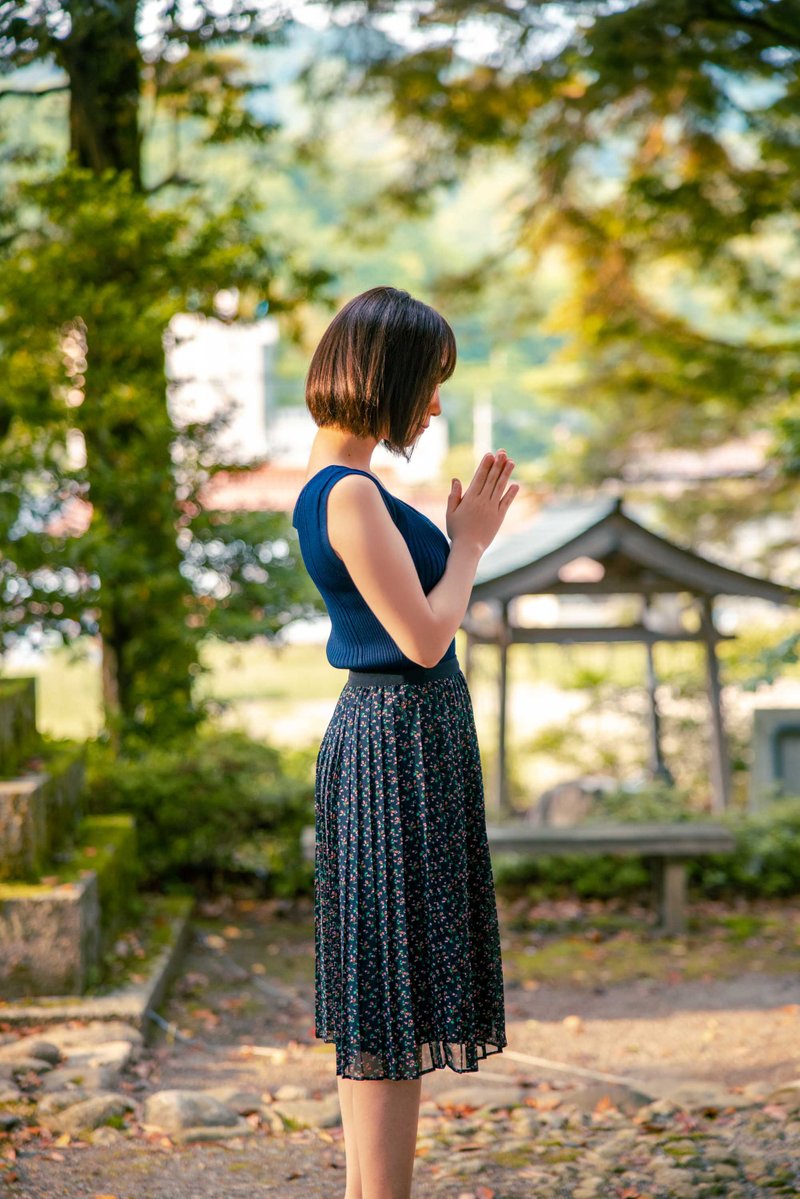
x=487, y=470
x=501, y=478
x=492, y=474
x=509, y=495
x=484, y=468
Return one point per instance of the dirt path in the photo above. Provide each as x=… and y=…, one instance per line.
x=241, y=1015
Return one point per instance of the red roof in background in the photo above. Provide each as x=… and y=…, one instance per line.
x=275, y=488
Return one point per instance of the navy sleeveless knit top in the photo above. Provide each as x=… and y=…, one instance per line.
x=358, y=641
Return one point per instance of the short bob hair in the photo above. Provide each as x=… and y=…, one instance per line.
x=377, y=365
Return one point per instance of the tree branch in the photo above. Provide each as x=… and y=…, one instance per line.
x=173, y=180
x=31, y=93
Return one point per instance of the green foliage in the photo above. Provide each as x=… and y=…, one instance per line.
x=93, y=266
x=602, y=877
x=657, y=801
x=766, y=860
x=199, y=802
x=259, y=584
x=122, y=271
x=96, y=46
x=657, y=164
x=772, y=662
x=581, y=753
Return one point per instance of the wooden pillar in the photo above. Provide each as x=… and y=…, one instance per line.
x=658, y=767
x=720, y=762
x=501, y=779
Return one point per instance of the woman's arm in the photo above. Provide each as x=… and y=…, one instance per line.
x=363, y=534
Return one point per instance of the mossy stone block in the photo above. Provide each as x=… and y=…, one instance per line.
x=19, y=737
x=39, y=812
x=54, y=932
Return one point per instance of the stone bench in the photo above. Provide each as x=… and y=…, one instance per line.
x=665, y=847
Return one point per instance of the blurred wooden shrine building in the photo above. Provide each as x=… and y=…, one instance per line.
x=595, y=549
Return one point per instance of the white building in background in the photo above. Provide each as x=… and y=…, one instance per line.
x=221, y=365
x=292, y=431
x=214, y=364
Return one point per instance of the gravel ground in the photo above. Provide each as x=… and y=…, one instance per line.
x=241, y=1014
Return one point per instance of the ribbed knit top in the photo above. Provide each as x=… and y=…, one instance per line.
x=358, y=641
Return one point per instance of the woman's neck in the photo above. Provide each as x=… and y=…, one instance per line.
x=333, y=445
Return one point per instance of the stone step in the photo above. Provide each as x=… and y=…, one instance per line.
x=19, y=737
x=134, y=987
x=39, y=812
x=54, y=932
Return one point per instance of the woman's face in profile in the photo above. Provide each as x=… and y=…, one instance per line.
x=435, y=409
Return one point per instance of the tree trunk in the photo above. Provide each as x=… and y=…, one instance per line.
x=102, y=59
x=111, y=708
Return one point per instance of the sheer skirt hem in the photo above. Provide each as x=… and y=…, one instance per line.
x=462, y=1057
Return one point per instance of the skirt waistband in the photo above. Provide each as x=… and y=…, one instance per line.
x=409, y=674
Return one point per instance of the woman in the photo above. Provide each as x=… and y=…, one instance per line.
x=408, y=968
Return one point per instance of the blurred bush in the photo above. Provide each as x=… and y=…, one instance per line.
x=210, y=805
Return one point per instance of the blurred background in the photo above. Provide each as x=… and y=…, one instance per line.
x=602, y=200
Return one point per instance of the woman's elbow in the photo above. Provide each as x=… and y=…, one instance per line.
x=428, y=655
x=427, y=647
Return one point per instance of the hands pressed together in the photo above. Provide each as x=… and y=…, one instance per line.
x=477, y=515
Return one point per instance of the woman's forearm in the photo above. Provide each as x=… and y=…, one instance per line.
x=449, y=598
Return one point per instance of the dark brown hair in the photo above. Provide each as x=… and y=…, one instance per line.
x=377, y=365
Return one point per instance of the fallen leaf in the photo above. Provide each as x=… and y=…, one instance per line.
x=233, y=1003
x=543, y=1103
x=206, y=1015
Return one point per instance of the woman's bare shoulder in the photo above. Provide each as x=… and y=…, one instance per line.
x=355, y=488
x=359, y=515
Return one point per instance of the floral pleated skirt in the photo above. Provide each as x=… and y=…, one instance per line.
x=408, y=970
